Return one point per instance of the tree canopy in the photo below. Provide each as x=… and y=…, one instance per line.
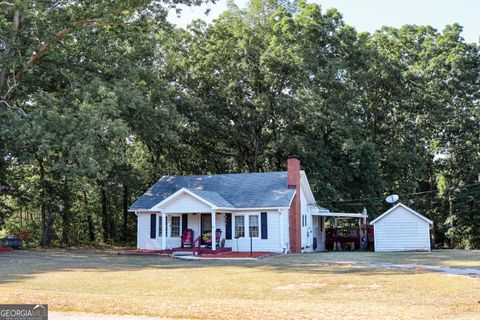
x=99, y=99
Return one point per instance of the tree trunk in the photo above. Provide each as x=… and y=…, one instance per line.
x=91, y=230
x=450, y=214
x=255, y=157
x=251, y=159
x=125, y=212
x=105, y=220
x=45, y=223
x=66, y=214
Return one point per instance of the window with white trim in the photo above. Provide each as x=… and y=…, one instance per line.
x=175, y=229
x=239, y=226
x=253, y=226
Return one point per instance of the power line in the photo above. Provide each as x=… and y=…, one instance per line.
x=403, y=195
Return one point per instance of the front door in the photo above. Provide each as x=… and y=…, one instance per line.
x=206, y=225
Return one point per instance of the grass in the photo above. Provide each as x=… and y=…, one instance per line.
x=442, y=258
x=284, y=287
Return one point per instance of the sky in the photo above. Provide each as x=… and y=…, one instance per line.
x=370, y=15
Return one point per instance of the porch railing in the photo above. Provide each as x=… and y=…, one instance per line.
x=342, y=235
x=197, y=246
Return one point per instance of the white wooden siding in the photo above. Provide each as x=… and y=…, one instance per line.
x=143, y=236
x=220, y=224
x=272, y=244
x=307, y=228
x=286, y=231
x=194, y=224
x=401, y=230
x=308, y=231
x=185, y=203
x=318, y=233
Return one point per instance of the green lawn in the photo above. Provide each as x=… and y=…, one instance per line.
x=306, y=286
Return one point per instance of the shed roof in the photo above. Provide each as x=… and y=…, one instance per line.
x=392, y=209
x=241, y=190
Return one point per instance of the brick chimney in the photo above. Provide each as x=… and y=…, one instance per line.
x=294, y=216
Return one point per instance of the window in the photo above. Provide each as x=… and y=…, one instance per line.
x=175, y=232
x=304, y=220
x=253, y=226
x=239, y=226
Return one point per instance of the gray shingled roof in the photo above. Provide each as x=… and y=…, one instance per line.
x=212, y=197
x=241, y=190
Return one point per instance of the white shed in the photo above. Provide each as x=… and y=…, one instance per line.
x=401, y=229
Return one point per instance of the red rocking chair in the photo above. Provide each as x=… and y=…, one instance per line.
x=218, y=234
x=187, y=238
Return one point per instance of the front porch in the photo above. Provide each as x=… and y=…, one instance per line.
x=202, y=251
x=183, y=221
x=184, y=231
x=205, y=253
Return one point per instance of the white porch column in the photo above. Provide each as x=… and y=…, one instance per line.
x=138, y=231
x=164, y=231
x=214, y=230
x=282, y=240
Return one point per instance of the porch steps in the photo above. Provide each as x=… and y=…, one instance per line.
x=182, y=253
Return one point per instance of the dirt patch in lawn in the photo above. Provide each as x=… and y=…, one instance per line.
x=354, y=287
x=299, y=286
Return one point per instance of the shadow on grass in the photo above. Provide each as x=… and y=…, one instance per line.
x=20, y=265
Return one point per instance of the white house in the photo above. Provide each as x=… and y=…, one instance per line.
x=267, y=212
x=401, y=229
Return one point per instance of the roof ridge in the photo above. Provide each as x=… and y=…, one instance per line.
x=225, y=174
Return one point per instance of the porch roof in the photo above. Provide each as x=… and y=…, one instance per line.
x=241, y=190
x=318, y=211
x=212, y=197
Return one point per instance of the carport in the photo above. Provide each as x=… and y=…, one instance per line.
x=336, y=236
